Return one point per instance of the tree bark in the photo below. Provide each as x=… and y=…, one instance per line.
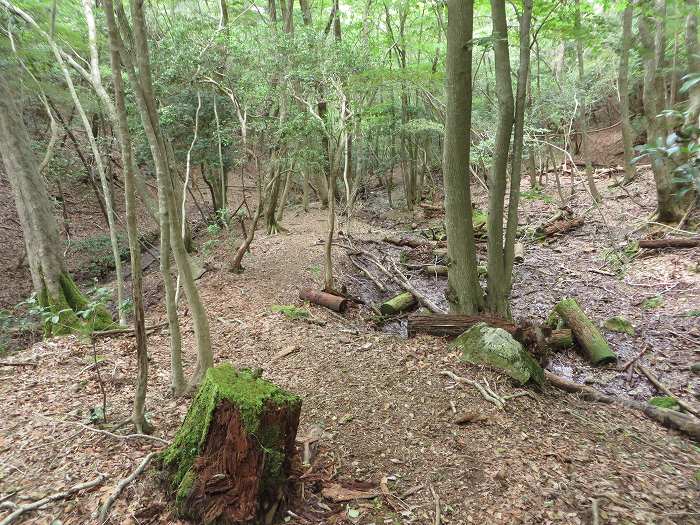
x=138, y=416
x=623, y=91
x=464, y=292
x=670, y=243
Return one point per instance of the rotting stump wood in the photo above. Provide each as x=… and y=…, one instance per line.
x=230, y=460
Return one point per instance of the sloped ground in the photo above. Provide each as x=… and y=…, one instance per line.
x=384, y=408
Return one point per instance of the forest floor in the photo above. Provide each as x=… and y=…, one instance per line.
x=379, y=400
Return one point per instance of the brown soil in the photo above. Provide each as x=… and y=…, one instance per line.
x=382, y=407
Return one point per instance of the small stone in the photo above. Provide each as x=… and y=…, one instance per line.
x=695, y=368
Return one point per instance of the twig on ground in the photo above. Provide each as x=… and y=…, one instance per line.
x=594, y=512
x=104, y=511
x=367, y=274
x=52, y=497
x=128, y=330
x=20, y=363
x=436, y=499
x=112, y=434
x=635, y=358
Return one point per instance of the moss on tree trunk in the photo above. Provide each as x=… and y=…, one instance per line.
x=71, y=310
x=230, y=460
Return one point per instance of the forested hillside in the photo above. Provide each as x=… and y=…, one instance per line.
x=349, y=261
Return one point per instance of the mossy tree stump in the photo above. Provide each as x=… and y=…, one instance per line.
x=230, y=460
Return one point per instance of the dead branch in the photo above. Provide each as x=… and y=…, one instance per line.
x=686, y=424
x=19, y=363
x=367, y=274
x=52, y=497
x=664, y=389
x=129, y=330
x=670, y=242
x=104, y=512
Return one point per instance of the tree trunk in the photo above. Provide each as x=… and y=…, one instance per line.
x=138, y=416
x=583, y=117
x=54, y=287
x=464, y=293
x=142, y=85
x=623, y=90
x=497, y=291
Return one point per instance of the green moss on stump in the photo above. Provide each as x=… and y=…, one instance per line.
x=253, y=398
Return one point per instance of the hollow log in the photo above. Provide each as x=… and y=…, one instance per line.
x=231, y=458
x=561, y=226
x=411, y=242
x=330, y=301
x=673, y=242
x=398, y=304
x=585, y=332
x=518, y=253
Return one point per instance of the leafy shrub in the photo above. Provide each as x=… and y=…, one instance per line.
x=290, y=311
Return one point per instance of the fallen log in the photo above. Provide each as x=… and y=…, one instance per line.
x=518, y=253
x=665, y=390
x=585, y=332
x=398, y=304
x=671, y=242
x=686, y=424
x=434, y=269
x=561, y=226
x=454, y=325
x=411, y=242
x=561, y=339
x=231, y=459
x=330, y=301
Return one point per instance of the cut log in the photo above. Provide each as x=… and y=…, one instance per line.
x=398, y=304
x=330, y=301
x=561, y=339
x=411, y=242
x=585, y=332
x=686, y=424
x=561, y=226
x=673, y=242
x=230, y=460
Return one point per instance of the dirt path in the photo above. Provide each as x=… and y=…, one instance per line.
x=384, y=409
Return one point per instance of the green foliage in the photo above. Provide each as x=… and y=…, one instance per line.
x=617, y=259
x=290, y=311
x=619, y=324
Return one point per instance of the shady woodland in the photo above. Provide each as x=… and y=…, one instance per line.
x=349, y=262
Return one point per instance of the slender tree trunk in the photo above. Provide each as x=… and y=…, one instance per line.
x=143, y=89
x=464, y=292
x=583, y=118
x=518, y=136
x=623, y=90
x=496, y=294
x=138, y=416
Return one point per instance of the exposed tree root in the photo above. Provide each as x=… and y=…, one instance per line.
x=52, y=497
x=104, y=511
